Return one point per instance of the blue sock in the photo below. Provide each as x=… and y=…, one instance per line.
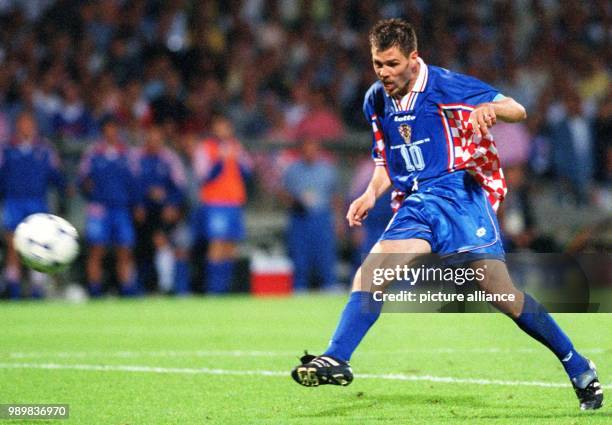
x=219, y=276
x=95, y=289
x=129, y=289
x=181, y=277
x=13, y=288
x=38, y=292
x=538, y=324
x=358, y=316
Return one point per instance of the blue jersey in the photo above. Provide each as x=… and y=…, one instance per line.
x=109, y=174
x=313, y=184
x=426, y=135
x=27, y=170
x=163, y=171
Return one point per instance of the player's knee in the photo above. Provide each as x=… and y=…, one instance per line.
x=360, y=284
x=516, y=307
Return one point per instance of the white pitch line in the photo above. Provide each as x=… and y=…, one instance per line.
x=208, y=371
x=137, y=354
x=251, y=353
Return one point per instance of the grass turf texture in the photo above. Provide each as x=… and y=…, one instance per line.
x=204, y=333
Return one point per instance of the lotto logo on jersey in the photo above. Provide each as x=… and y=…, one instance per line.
x=404, y=118
x=406, y=132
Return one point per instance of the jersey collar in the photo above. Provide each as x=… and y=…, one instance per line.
x=408, y=101
x=421, y=81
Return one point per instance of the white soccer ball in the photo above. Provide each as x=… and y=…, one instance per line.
x=46, y=243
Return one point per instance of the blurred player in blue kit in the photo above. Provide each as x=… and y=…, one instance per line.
x=29, y=165
x=432, y=144
x=163, y=183
x=109, y=180
x=310, y=185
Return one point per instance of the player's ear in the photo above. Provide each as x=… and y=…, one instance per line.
x=414, y=55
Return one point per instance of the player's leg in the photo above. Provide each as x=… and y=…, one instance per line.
x=12, y=213
x=220, y=265
x=324, y=254
x=182, y=241
x=361, y=310
x=125, y=271
x=98, y=234
x=12, y=268
x=164, y=260
x=123, y=238
x=299, y=247
x=225, y=228
x=39, y=281
x=358, y=316
x=533, y=318
x=95, y=255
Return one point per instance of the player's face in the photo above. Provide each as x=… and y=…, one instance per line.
x=26, y=127
x=155, y=139
x=395, y=70
x=111, y=133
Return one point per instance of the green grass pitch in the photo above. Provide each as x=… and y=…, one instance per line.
x=227, y=361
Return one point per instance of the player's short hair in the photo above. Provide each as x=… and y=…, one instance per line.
x=393, y=32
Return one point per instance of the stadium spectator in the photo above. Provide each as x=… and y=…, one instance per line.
x=571, y=133
x=311, y=192
x=222, y=166
x=320, y=122
x=29, y=165
x=163, y=183
x=108, y=179
x=170, y=105
x=603, y=152
x=73, y=120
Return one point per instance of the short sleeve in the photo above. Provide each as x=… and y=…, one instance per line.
x=461, y=88
x=372, y=116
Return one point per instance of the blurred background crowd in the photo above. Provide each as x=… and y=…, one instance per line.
x=256, y=106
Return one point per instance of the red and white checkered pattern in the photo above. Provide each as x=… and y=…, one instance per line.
x=477, y=155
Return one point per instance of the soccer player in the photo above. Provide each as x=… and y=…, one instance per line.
x=222, y=166
x=109, y=180
x=163, y=183
x=310, y=185
x=28, y=166
x=423, y=118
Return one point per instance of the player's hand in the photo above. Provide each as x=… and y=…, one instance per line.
x=157, y=194
x=358, y=210
x=140, y=214
x=482, y=118
x=229, y=149
x=170, y=214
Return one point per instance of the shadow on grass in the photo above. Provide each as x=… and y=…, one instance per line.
x=358, y=404
x=460, y=408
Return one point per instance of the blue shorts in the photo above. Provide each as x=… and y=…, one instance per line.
x=109, y=225
x=15, y=210
x=454, y=215
x=216, y=222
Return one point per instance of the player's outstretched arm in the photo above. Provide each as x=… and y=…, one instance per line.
x=485, y=115
x=359, y=208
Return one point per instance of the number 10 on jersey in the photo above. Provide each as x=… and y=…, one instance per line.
x=413, y=156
